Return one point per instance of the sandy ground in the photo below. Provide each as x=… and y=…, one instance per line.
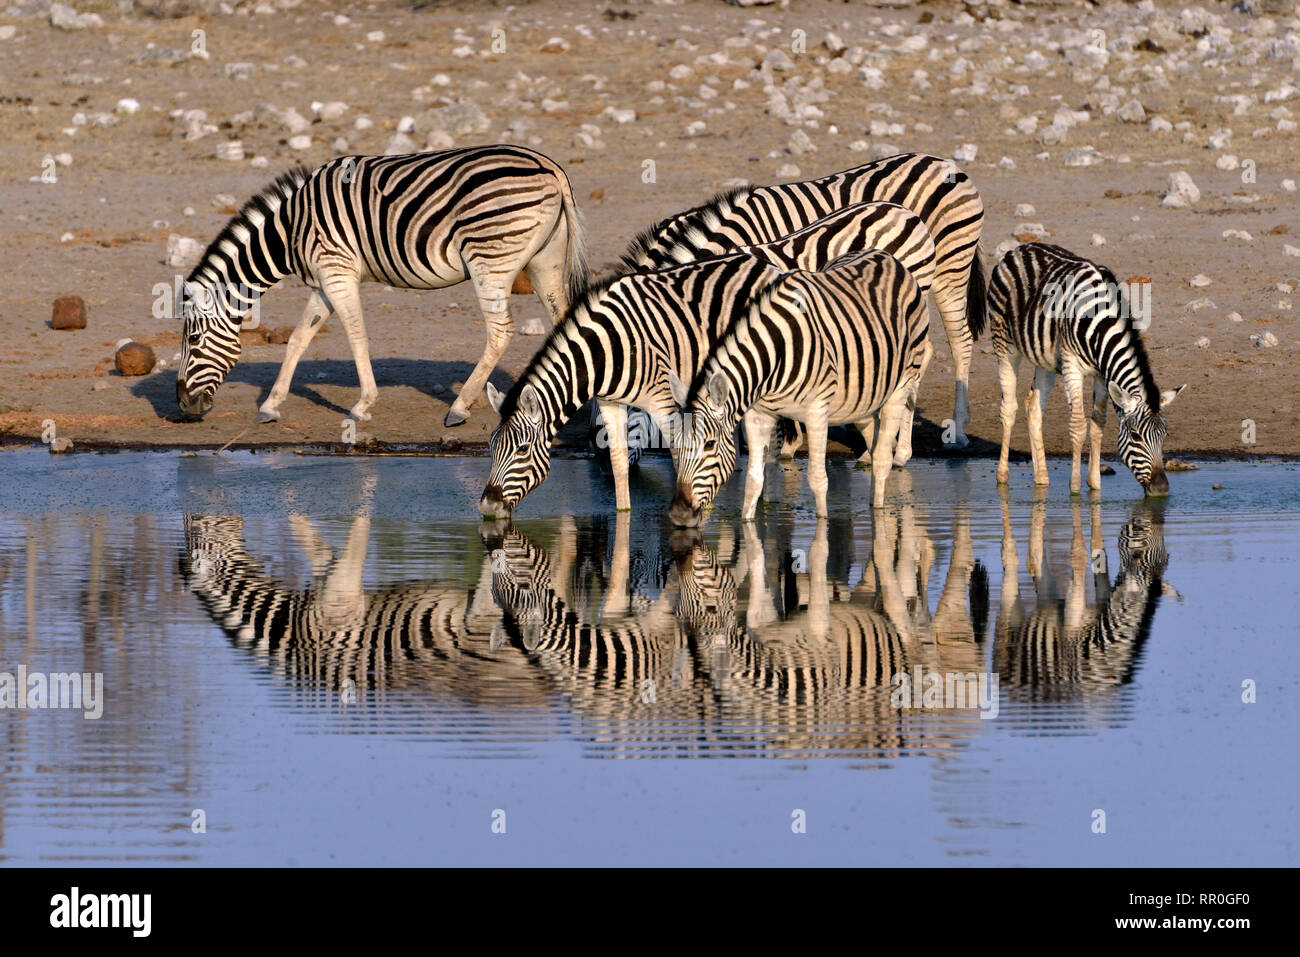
x=129, y=183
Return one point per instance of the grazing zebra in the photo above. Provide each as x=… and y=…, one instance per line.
x=620, y=342
x=933, y=188
x=417, y=221
x=1069, y=316
x=824, y=348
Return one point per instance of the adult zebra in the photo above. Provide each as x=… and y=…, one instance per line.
x=841, y=345
x=619, y=343
x=415, y=221
x=1068, y=315
x=933, y=188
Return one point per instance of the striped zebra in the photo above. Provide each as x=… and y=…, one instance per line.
x=416, y=221
x=1070, y=317
x=842, y=345
x=622, y=340
x=933, y=188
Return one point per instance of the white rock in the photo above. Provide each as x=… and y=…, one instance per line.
x=1196, y=305
x=1098, y=239
x=1037, y=230
x=533, y=327
x=1265, y=341
x=1290, y=250
x=1203, y=342
x=1234, y=317
x=67, y=238
x=1052, y=135
x=1288, y=185
x=128, y=106
x=680, y=72
x=1182, y=192
x=294, y=122
x=300, y=142
x=1238, y=234
x=400, y=143
x=239, y=71
x=801, y=143
x=555, y=45
x=1082, y=156
x=1199, y=281
x=1006, y=163
x=332, y=111
x=182, y=251
x=363, y=123
x=789, y=171
x=66, y=18
x=965, y=153
x=375, y=36
x=406, y=124
x=1024, y=210
x=7, y=32
x=259, y=162
x=232, y=150
x=1159, y=124
x=1132, y=112
x=1227, y=161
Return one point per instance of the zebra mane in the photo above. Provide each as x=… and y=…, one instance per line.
x=258, y=209
x=592, y=292
x=757, y=302
x=672, y=229
x=1149, y=387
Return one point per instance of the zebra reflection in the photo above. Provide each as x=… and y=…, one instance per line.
x=1065, y=648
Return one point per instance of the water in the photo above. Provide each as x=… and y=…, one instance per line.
x=330, y=661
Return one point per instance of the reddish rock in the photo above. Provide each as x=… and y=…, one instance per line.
x=279, y=336
x=69, y=313
x=521, y=286
x=134, y=358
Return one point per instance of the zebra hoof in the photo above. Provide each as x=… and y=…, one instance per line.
x=264, y=417
x=455, y=418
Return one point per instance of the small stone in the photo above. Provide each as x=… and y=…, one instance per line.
x=1182, y=191
x=533, y=327
x=375, y=36
x=555, y=45
x=1098, y=239
x=182, y=251
x=1289, y=250
x=134, y=359
x=1227, y=161
x=1288, y=185
x=1179, y=465
x=300, y=142
x=1199, y=281
x=67, y=238
x=1238, y=234
x=232, y=150
x=1234, y=317
x=1082, y=156
x=1216, y=486
x=61, y=445
x=1265, y=341
x=1024, y=210
x=597, y=194
x=1132, y=112
x=965, y=153
x=801, y=143
x=1159, y=124
x=789, y=171
x=69, y=313
x=128, y=106
x=1203, y=342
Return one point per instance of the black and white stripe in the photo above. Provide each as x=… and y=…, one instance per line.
x=933, y=188
x=1070, y=317
x=621, y=342
x=846, y=344
x=415, y=221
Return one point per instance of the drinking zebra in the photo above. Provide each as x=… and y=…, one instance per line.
x=416, y=221
x=619, y=343
x=933, y=188
x=842, y=345
x=1069, y=316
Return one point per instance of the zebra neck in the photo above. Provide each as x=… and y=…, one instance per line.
x=246, y=259
x=1120, y=360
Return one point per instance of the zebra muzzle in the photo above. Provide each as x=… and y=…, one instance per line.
x=492, y=504
x=193, y=407
x=682, y=514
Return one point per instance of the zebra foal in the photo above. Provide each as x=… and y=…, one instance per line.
x=1069, y=317
x=415, y=221
x=847, y=344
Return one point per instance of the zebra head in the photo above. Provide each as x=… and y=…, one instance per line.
x=706, y=597
x=1142, y=431
x=522, y=585
x=209, y=347
x=706, y=447
x=521, y=452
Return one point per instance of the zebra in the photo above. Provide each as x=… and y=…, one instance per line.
x=1070, y=317
x=933, y=188
x=840, y=345
x=619, y=343
x=413, y=221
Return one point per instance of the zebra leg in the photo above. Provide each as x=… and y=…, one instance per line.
x=1078, y=420
x=952, y=310
x=615, y=416
x=344, y=294
x=492, y=283
x=791, y=438
x=903, y=450
x=1007, y=366
x=817, y=480
x=546, y=272
x=758, y=432
x=312, y=317
x=882, y=457
x=1034, y=405
x=868, y=429
x=1096, y=422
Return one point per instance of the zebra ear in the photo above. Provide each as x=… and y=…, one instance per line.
x=1123, y=401
x=1170, y=394
x=719, y=389
x=494, y=397
x=678, y=388
x=529, y=405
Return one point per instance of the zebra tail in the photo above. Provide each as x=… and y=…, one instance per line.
x=575, y=253
x=976, y=298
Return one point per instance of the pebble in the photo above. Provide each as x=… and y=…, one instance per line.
x=128, y=106
x=61, y=445
x=533, y=327
x=801, y=142
x=1182, y=192
x=363, y=123
x=232, y=150
x=1098, y=239
x=1288, y=185
x=134, y=359
x=1289, y=250
x=1203, y=342
x=1132, y=112
x=1227, y=161
x=789, y=171
x=1199, y=281
x=66, y=18
x=965, y=153
x=1024, y=210
x=1238, y=234
x=1082, y=156
x=182, y=251
x=69, y=313
x=1264, y=341
x=375, y=36
x=1196, y=305
x=300, y=142
x=1234, y=317
x=1159, y=124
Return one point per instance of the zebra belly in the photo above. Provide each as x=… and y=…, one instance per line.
x=423, y=278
